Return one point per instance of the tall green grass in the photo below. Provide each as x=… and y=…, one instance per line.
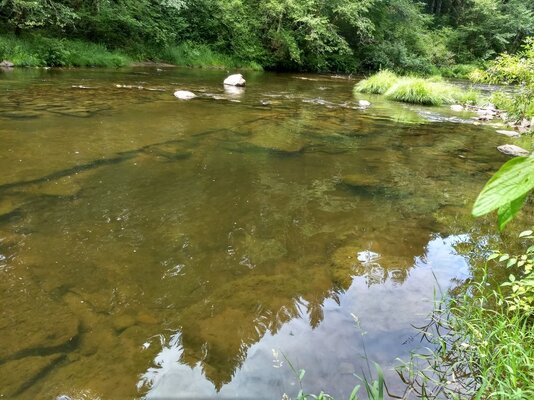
x=34, y=51
x=202, y=56
x=483, y=350
x=421, y=91
x=37, y=51
x=378, y=83
x=427, y=91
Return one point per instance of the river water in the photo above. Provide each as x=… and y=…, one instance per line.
x=166, y=249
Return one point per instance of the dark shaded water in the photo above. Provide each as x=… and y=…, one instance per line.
x=170, y=249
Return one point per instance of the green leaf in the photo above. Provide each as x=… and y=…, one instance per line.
x=493, y=256
x=513, y=180
x=507, y=212
x=354, y=393
x=301, y=374
x=504, y=257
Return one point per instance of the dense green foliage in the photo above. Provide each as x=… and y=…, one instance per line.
x=341, y=35
x=517, y=69
x=40, y=51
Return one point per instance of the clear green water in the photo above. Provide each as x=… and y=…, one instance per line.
x=176, y=249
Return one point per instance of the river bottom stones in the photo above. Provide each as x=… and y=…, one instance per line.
x=361, y=180
x=18, y=375
x=277, y=142
x=24, y=332
x=168, y=152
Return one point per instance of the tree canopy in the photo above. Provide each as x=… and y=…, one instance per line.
x=343, y=35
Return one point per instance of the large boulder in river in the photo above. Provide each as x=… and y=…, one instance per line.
x=184, y=95
x=513, y=150
x=235, y=80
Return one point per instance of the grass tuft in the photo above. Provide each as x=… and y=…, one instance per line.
x=421, y=91
x=378, y=83
x=427, y=91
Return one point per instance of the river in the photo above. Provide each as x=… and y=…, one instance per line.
x=158, y=248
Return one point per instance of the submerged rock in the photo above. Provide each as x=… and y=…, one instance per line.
x=361, y=180
x=513, y=150
x=123, y=322
x=457, y=107
x=364, y=103
x=18, y=375
x=10, y=204
x=235, y=80
x=278, y=142
x=62, y=187
x=168, y=152
x=184, y=95
x=16, y=114
x=345, y=265
x=24, y=328
x=508, y=133
x=368, y=257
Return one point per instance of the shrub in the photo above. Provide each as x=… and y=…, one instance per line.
x=512, y=69
x=460, y=71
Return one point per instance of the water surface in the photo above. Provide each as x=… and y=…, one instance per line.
x=158, y=248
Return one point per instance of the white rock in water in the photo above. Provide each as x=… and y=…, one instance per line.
x=508, y=133
x=457, y=107
x=235, y=80
x=513, y=150
x=364, y=103
x=184, y=95
x=368, y=256
x=6, y=64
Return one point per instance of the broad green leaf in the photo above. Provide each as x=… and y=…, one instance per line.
x=513, y=180
x=507, y=212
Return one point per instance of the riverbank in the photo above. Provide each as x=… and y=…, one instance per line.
x=38, y=51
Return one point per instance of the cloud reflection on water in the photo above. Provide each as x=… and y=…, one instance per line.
x=334, y=350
